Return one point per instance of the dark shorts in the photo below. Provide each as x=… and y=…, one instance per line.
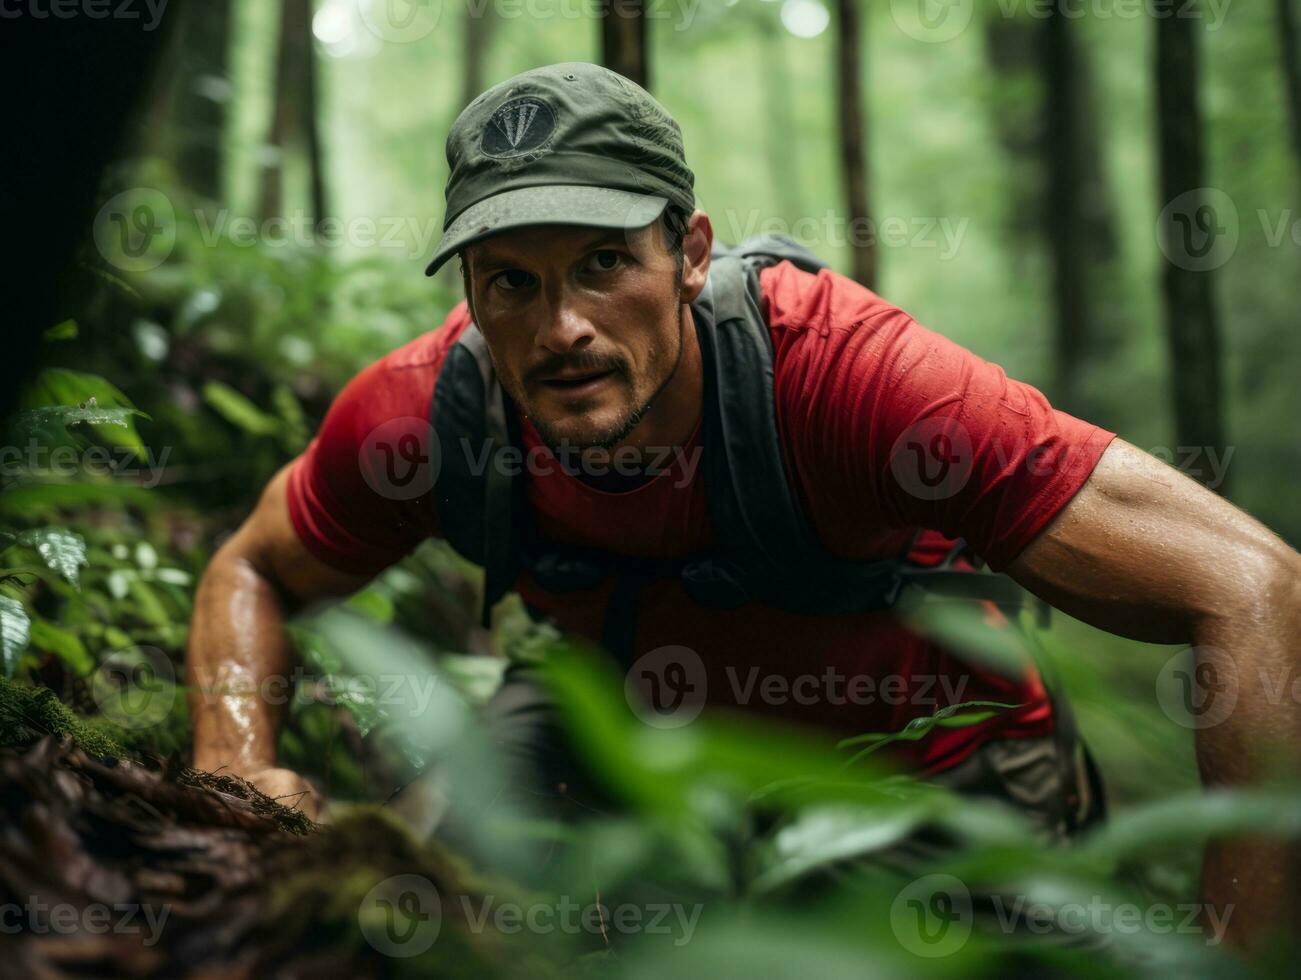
x=545, y=773
x=543, y=776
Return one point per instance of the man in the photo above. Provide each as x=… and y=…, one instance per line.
x=586, y=267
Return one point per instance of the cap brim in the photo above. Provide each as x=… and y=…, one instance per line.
x=554, y=204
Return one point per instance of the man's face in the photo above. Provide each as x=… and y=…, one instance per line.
x=584, y=325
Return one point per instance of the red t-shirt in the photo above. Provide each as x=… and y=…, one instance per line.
x=887, y=428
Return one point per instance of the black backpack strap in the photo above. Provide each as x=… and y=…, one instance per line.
x=768, y=550
x=760, y=530
x=476, y=505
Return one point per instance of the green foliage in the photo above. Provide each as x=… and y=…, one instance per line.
x=15, y=630
x=59, y=398
x=29, y=713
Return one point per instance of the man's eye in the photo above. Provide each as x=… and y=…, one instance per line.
x=606, y=260
x=512, y=279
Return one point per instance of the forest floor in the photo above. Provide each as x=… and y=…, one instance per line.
x=112, y=867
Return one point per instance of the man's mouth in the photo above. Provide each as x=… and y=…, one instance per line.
x=577, y=382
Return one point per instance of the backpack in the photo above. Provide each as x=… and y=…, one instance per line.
x=766, y=551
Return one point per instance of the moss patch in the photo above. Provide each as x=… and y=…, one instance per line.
x=30, y=713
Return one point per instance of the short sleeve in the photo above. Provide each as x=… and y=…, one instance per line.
x=360, y=495
x=891, y=422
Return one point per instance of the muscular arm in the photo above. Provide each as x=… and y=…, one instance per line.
x=238, y=651
x=1145, y=552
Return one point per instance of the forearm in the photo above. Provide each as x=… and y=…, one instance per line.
x=238, y=666
x=1144, y=552
x=1247, y=732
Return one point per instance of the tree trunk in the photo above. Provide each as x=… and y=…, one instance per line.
x=780, y=116
x=294, y=116
x=1016, y=116
x=1058, y=200
x=185, y=106
x=1192, y=328
x=853, y=158
x=1291, y=72
x=479, y=28
x=1062, y=213
x=623, y=39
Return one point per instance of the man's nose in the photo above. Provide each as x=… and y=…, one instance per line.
x=565, y=328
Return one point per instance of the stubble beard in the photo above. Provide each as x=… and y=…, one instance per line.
x=618, y=432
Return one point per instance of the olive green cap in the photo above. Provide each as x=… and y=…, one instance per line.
x=571, y=143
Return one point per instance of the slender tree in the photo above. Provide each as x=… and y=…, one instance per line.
x=623, y=39
x=853, y=139
x=186, y=106
x=1192, y=327
x=1063, y=211
x=480, y=24
x=1016, y=116
x=1058, y=198
x=779, y=129
x=294, y=124
x=1287, y=30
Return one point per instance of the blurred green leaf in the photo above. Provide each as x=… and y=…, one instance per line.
x=63, y=551
x=67, y=330
x=917, y=728
x=823, y=836
x=239, y=411
x=35, y=499
x=60, y=396
x=63, y=643
x=15, y=631
x=373, y=604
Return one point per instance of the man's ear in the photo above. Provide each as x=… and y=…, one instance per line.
x=697, y=244
x=464, y=257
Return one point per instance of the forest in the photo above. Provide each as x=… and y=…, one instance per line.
x=231, y=204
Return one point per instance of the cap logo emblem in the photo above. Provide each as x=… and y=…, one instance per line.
x=517, y=127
